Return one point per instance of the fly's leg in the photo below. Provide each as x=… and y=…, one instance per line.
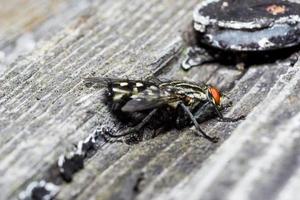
x=205, y=112
x=221, y=118
x=135, y=128
x=110, y=140
x=102, y=132
x=228, y=119
x=209, y=109
x=199, y=130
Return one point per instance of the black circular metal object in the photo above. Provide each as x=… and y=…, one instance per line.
x=243, y=31
x=248, y=25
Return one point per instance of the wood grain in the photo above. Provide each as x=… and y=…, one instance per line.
x=45, y=109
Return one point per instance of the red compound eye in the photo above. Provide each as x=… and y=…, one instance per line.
x=215, y=93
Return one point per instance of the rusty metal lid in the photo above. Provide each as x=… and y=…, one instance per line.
x=250, y=25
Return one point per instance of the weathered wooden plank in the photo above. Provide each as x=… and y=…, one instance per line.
x=39, y=101
x=23, y=24
x=45, y=108
x=261, y=155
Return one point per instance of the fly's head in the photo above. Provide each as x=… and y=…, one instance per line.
x=214, y=96
x=194, y=94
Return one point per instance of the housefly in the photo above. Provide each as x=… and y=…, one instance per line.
x=161, y=103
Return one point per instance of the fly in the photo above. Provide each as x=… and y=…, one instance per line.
x=172, y=103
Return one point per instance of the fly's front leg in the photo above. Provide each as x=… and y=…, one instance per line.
x=221, y=118
x=199, y=130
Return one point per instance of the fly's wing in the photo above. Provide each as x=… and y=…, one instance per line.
x=119, y=91
x=151, y=97
x=134, y=95
x=118, y=88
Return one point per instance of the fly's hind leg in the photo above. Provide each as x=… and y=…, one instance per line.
x=228, y=119
x=133, y=129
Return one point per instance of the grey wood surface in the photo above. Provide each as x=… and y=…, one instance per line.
x=45, y=107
